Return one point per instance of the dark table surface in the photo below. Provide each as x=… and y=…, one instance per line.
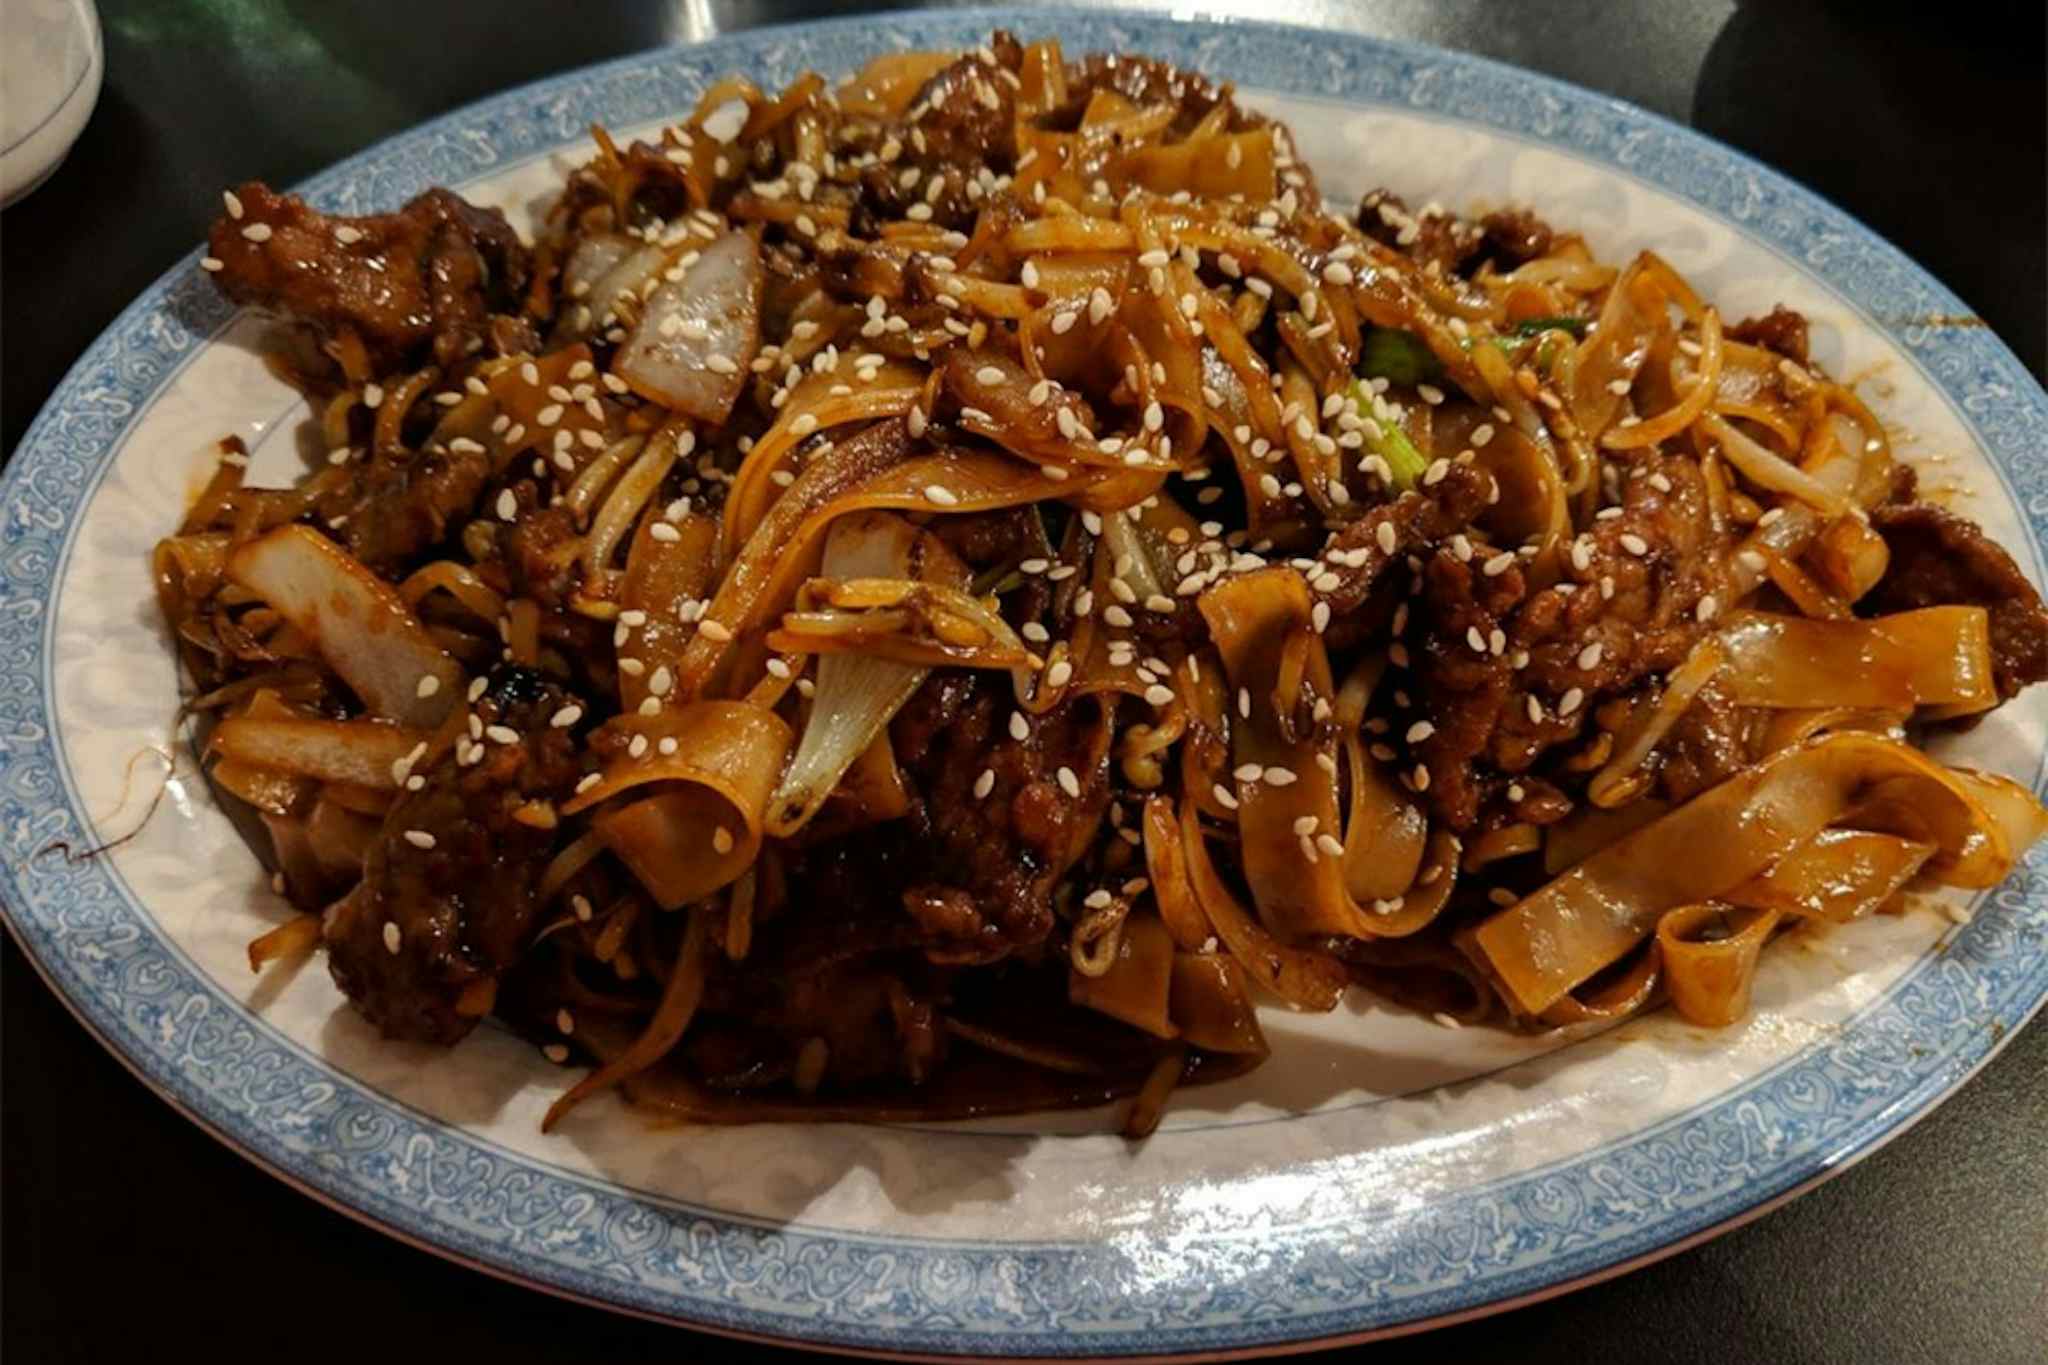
x=126, y=1228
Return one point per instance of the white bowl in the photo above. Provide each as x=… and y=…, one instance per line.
x=50, y=68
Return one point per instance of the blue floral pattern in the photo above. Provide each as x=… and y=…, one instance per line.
x=433, y=1183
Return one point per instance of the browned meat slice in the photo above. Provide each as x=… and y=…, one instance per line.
x=1360, y=554
x=1516, y=236
x=1501, y=678
x=1780, y=330
x=1454, y=245
x=448, y=893
x=1430, y=237
x=404, y=507
x=984, y=859
x=966, y=115
x=1146, y=81
x=1465, y=677
x=1938, y=558
x=434, y=271
x=1709, y=744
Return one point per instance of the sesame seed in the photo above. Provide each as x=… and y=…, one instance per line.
x=1384, y=535
x=429, y=685
x=566, y=717
x=721, y=839
x=988, y=374
x=1570, y=702
x=984, y=784
x=637, y=748
x=419, y=838
x=1020, y=728
x=1063, y=321
x=1475, y=639
x=257, y=232
x=715, y=630
x=1420, y=731
x=1635, y=544
x=1224, y=796
x=1499, y=564
x=1280, y=777
x=1059, y=674
x=502, y=734
x=1708, y=607
x=391, y=937
x=1589, y=657
x=211, y=263
x=508, y=505
x=1069, y=783
x=943, y=496
x=555, y=1053
x=1159, y=696
x=1249, y=772
x=1420, y=777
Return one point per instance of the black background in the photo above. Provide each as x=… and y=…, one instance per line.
x=128, y=1229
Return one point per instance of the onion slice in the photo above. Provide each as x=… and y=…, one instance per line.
x=699, y=334
x=360, y=625
x=857, y=695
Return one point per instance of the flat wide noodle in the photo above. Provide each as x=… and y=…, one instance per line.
x=1286, y=773
x=704, y=827
x=1840, y=875
x=1709, y=954
x=1541, y=947
x=1937, y=656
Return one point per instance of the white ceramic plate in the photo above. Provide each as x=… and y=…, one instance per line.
x=1380, y=1171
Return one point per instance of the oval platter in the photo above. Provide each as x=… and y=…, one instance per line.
x=1382, y=1172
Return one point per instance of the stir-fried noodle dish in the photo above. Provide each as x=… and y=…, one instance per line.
x=941, y=595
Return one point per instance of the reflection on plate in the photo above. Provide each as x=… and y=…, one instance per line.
x=1381, y=1171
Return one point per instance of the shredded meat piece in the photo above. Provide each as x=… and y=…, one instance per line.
x=434, y=271
x=985, y=865
x=1780, y=330
x=1939, y=558
x=435, y=914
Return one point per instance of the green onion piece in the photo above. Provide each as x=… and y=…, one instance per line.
x=1391, y=444
x=1529, y=327
x=1396, y=356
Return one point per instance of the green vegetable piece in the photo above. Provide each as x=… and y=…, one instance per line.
x=1391, y=444
x=1529, y=327
x=1396, y=356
